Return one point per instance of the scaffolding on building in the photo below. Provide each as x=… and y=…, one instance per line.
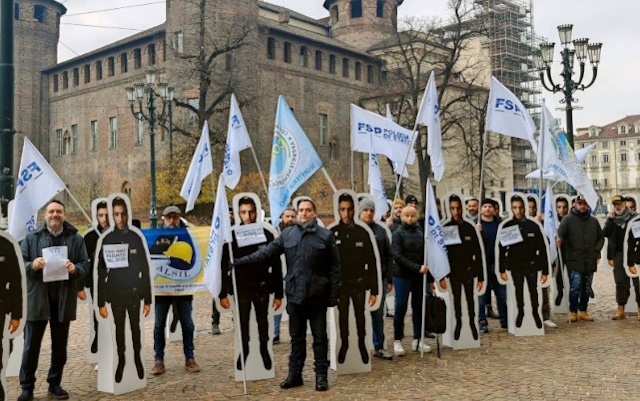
x=512, y=42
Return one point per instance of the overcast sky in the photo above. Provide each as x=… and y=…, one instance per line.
x=614, y=23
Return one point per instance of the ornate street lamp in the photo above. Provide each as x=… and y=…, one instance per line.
x=139, y=92
x=580, y=51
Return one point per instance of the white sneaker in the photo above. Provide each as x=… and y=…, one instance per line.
x=550, y=324
x=96, y=368
x=398, y=349
x=420, y=347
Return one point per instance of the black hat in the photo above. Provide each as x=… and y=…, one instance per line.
x=410, y=199
x=487, y=201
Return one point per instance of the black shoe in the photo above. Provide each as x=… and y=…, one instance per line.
x=215, y=329
x=559, y=298
x=239, y=361
x=266, y=358
x=484, y=326
x=342, y=355
x=119, y=370
x=590, y=292
x=291, y=381
x=56, y=392
x=94, y=345
x=364, y=353
x=429, y=334
x=389, y=315
x=322, y=384
x=276, y=340
x=491, y=314
x=519, y=319
x=474, y=331
x=456, y=332
x=26, y=395
x=536, y=317
x=504, y=326
x=139, y=366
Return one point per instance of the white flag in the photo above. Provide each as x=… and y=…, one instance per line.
x=376, y=187
x=437, y=258
x=560, y=159
x=398, y=167
x=37, y=184
x=237, y=141
x=201, y=166
x=550, y=221
x=220, y=235
x=506, y=115
x=429, y=116
x=581, y=155
x=373, y=133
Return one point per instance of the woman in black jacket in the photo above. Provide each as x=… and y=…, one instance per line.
x=408, y=253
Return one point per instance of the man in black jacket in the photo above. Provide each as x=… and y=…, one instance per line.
x=91, y=241
x=52, y=303
x=11, y=292
x=359, y=274
x=562, y=208
x=255, y=281
x=581, y=234
x=466, y=264
x=312, y=284
x=524, y=259
x=124, y=281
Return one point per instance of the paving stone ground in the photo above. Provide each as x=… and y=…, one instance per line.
x=580, y=361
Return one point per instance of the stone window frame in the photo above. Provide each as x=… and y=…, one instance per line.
x=66, y=143
x=65, y=80
x=345, y=67
x=86, y=71
x=54, y=79
x=59, y=148
x=355, y=7
x=75, y=74
x=287, y=48
x=178, y=42
x=98, y=70
x=137, y=58
x=94, y=135
x=333, y=64
x=271, y=48
x=74, y=139
x=358, y=72
x=113, y=132
x=323, y=129
x=303, y=56
x=318, y=60
x=124, y=63
x=152, y=58
x=111, y=66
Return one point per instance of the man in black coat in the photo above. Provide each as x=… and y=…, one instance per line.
x=255, y=281
x=52, y=303
x=124, y=286
x=91, y=241
x=465, y=260
x=312, y=284
x=11, y=291
x=524, y=259
x=562, y=208
x=359, y=274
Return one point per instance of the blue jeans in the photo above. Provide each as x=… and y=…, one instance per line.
x=184, y=306
x=578, y=295
x=501, y=296
x=276, y=325
x=404, y=287
x=377, y=322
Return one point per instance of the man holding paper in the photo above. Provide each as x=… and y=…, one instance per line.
x=56, y=262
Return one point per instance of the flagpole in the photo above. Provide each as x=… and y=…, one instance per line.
x=352, y=182
x=541, y=150
x=326, y=175
x=264, y=183
x=484, y=153
x=81, y=209
x=406, y=157
x=236, y=311
x=424, y=299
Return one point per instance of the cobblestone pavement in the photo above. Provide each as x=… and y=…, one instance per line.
x=580, y=361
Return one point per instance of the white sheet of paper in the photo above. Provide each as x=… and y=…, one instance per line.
x=510, y=236
x=451, y=235
x=55, y=269
x=250, y=234
x=116, y=256
x=635, y=228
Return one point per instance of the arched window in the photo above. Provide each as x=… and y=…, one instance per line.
x=271, y=49
x=319, y=60
x=345, y=67
x=66, y=143
x=332, y=64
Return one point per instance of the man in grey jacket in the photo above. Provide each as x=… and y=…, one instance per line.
x=52, y=302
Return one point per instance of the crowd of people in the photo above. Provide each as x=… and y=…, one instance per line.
x=315, y=274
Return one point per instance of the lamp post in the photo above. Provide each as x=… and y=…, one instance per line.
x=138, y=92
x=581, y=49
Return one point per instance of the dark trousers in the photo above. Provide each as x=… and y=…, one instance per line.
x=377, y=322
x=501, y=297
x=184, y=308
x=95, y=321
x=215, y=314
x=456, y=290
x=357, y=297
x=559, y=277
x=532, y=282
x=33, y=333
x=2, y=317
x=260, y=302
x=579, y=291
x=316, y=315
x=623, y=286
x=119, y=314
x=405, y=287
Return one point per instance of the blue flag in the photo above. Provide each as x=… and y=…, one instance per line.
x=293, y=159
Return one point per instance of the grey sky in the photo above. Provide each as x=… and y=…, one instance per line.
x=614, y=23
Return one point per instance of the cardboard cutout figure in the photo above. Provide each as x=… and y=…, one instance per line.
x=633, y=302
x=124, y=296
x=465, y=250
x=522, y=262
x=260, y=290
x=13, y=300
x=560, y=282
x=100, y=217
x=361, y=284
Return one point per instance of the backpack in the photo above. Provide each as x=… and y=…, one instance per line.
x=435, y=314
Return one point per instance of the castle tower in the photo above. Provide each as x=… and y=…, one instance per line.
x=36, y=34
x=363, y=23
